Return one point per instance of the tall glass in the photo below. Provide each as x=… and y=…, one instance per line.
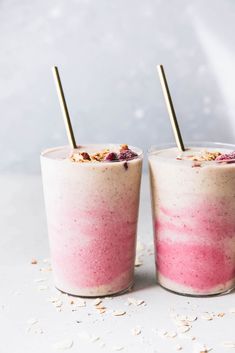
x=92, y=213
x=193, y=207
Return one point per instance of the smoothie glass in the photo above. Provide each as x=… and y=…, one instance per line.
x=193, y=208
x=92, y=213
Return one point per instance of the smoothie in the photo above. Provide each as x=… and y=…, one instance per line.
x=193, y=203
x=92, y=201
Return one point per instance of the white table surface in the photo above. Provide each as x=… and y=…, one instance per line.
x=29, y=323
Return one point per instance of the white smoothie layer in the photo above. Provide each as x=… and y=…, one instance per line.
x=121, y=284
x=171, y=285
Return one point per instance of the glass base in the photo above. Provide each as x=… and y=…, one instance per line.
x=112, y=294
x=217, y=294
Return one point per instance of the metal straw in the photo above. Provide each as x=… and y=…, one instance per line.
x=64, y=108
x=170, y=108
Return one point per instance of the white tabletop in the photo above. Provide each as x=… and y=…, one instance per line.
x=31, y=322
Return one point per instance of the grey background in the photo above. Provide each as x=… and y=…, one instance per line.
x=107, y=51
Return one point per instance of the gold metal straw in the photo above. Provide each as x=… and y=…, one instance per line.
x=170, y=108
x=64, y=108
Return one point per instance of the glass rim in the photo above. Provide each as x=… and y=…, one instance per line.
x=204, y=144
x=99, y=146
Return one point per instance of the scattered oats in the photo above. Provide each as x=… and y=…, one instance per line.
x=81, y=303
x=138, y=262
x=229, y=344
x=63, y=345
x=95, y=338
x=43, y=287
x=136, y=331
x=101, y=311
x=183, y=329
x=34, y=262
x=53, y=299
x=100, y=307
x=135, y=301
x=162, y=333
x=220, y=314
x=39, y=280
x=32, y=321
x=118, y=348
x=171, y=334
x=97, y=301
x=232, y=310
x=119, y=312
x=206, y=316
x=187, y=336
x=58, y=304
x=201, y=348
x=191, y=318
x=178, y=347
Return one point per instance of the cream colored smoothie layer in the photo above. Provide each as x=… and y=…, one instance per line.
x=124, y=282
x=171, y=285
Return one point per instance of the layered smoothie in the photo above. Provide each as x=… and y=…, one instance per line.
x=193, y=202
x=92, y=200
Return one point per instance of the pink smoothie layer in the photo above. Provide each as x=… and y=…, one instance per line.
x=193, y=245
x=100, y=246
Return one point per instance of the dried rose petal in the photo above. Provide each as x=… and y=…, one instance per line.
x=226, y=156
x=127, y=155
x=112, y=157
x=86, y=156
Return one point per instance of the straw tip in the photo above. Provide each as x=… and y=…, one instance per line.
x=54, y=68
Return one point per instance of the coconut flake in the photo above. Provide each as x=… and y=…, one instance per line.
x=63, y=345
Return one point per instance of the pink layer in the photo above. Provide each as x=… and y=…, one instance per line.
x=92, y=248
x=208, y=219
x=199, y=266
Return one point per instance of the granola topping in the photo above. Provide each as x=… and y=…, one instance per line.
x=106, y=155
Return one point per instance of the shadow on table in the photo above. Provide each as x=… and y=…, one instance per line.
x=144, y=280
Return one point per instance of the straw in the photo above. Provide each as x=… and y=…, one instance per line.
x=64, y=108
x=170, y=108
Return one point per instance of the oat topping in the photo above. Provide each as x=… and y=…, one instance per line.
x=106, y=155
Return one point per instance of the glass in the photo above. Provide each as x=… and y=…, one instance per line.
x=193, y=208
x=92, y=213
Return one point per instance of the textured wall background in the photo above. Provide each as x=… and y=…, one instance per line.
x=107, y=51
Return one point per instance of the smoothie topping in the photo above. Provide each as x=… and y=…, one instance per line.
x=226, y=156
x=203, y=156
x=123, y=154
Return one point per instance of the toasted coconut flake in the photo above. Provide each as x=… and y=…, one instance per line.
x=63, y=345
x=178, y=347
x=97, y=301
x=134, y=301
x=171, y=334
x=32, y=321
x=207, y=316
x=117, y=348
x=136, y=331
x=229, y=344
x=119, y=312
